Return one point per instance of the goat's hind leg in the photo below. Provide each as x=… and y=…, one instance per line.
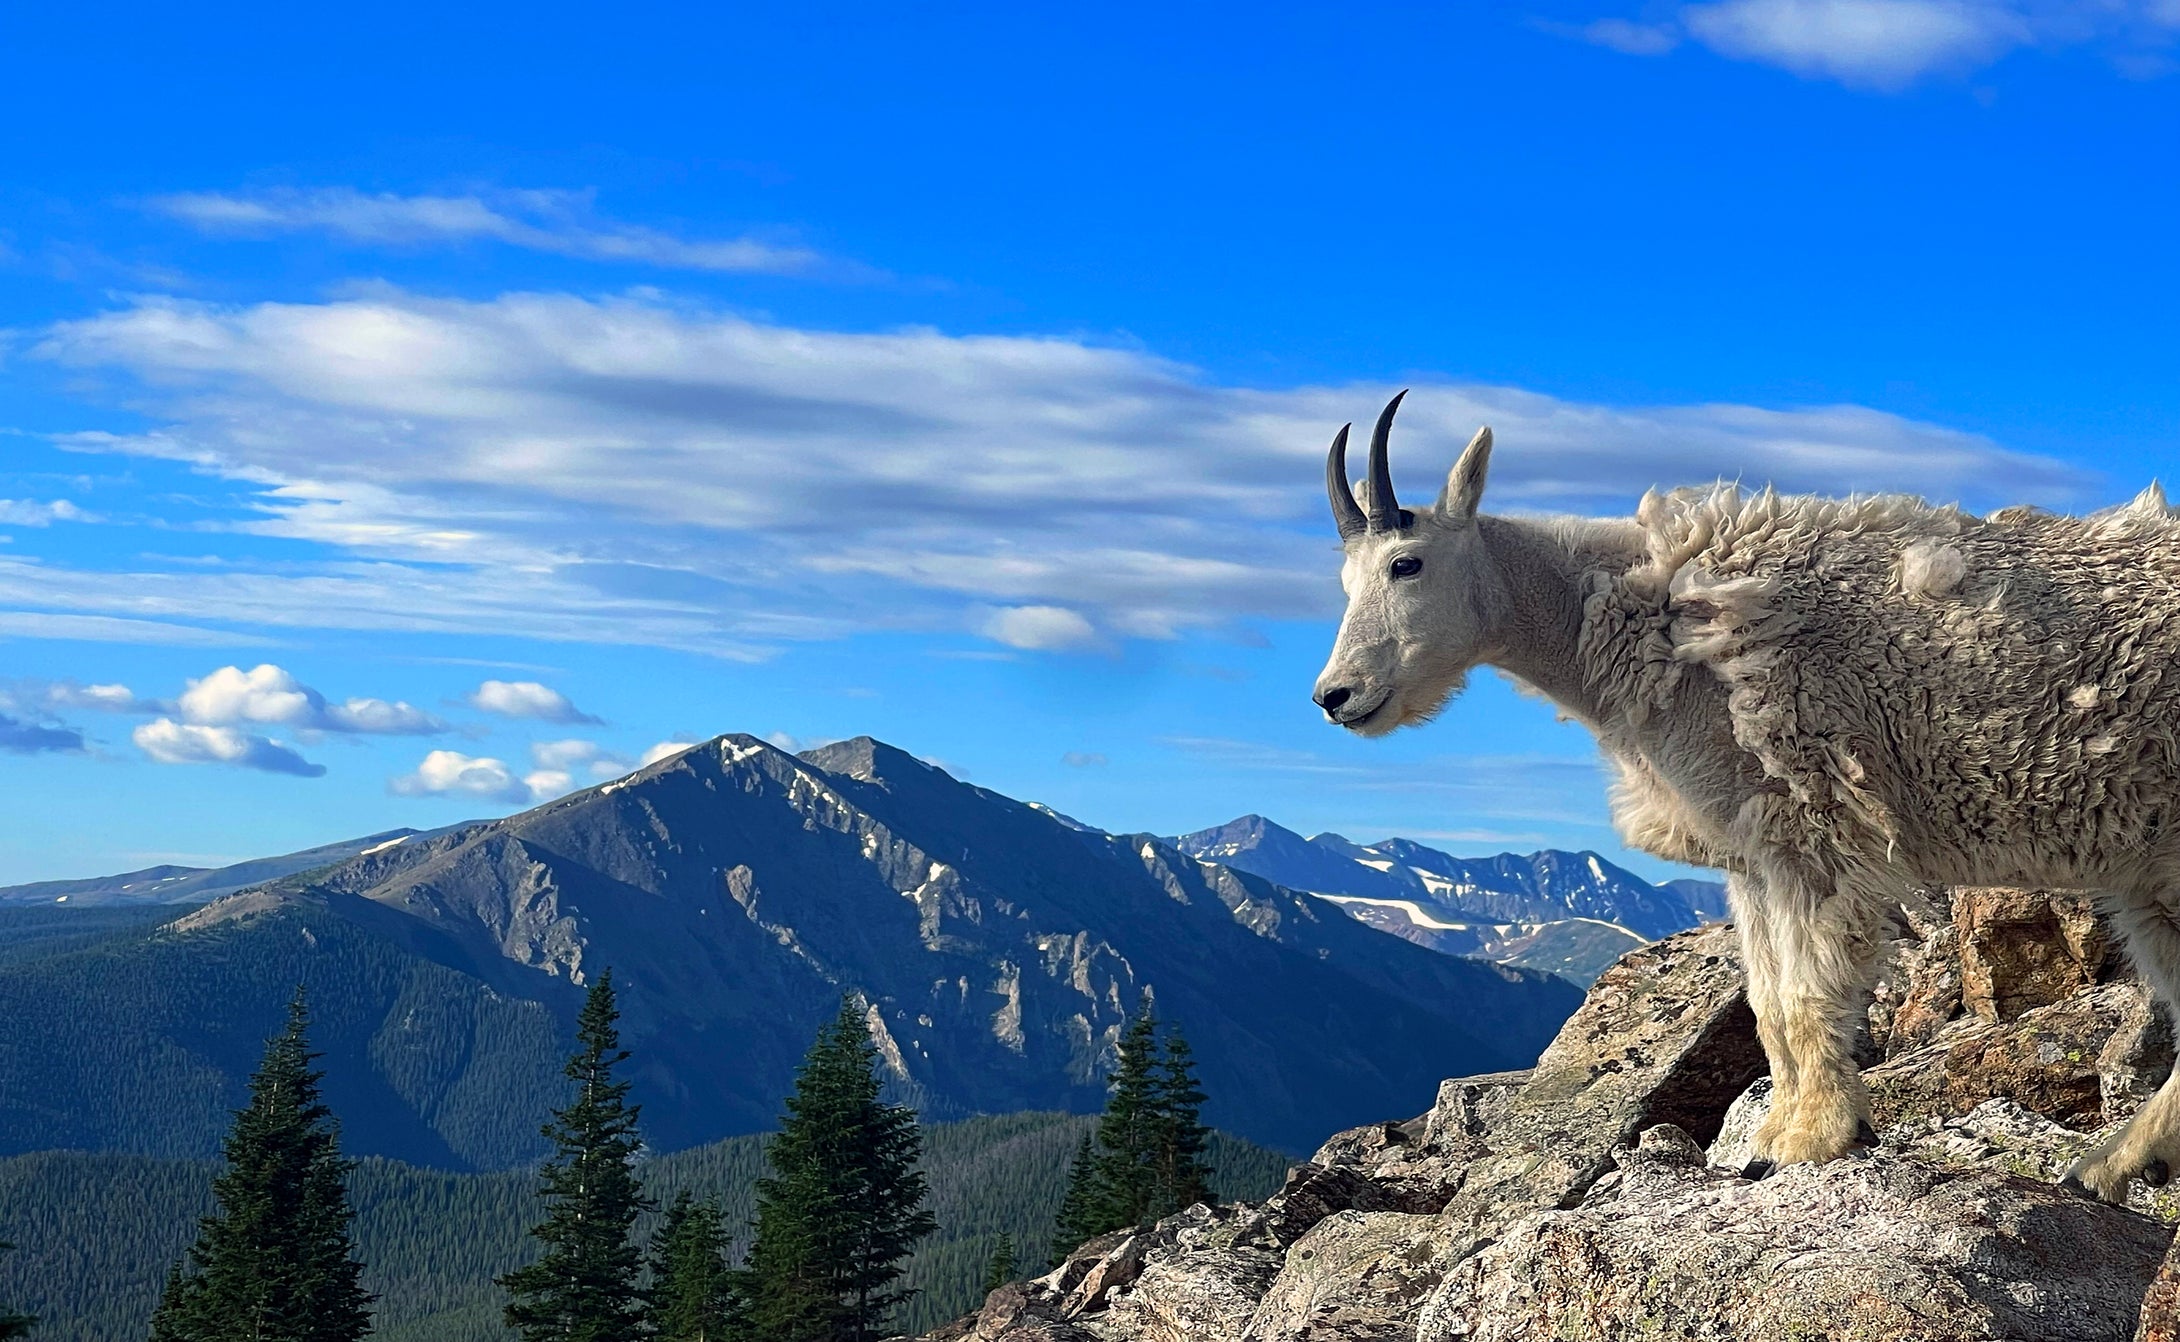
x=2148, y=1146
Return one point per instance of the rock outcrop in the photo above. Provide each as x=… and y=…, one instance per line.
x=1598, y=1195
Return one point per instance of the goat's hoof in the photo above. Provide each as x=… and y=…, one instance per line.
x=1865, y=1134
x=2156, y=1174
x=1758, y=1168
x=2079, y=1189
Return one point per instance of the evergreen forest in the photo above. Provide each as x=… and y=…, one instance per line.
x=440, y=1257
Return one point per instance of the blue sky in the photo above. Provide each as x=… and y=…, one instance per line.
x=406, y=416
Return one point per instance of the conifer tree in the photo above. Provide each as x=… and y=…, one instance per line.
x=1129, y=1132
x=1000, y=1270
x=583, y=1288
x=12, y=1324
x=275, y=1262
x=842, y=1206
x=1183, y=1178
x=1148, y=1162
x=1078, y=1220
x=690, y=1296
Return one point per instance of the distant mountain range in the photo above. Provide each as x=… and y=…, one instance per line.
x=192, y=885
x=737, y=891
x=1571, y=913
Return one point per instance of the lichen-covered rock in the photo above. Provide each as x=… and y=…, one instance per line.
x=1579, y=1202
x=2048, y=1059
x=1918, y=990
x=1665, y=1036
x=1205, y=1296
x=1357, y=1277
x=1420, y=1164
x=2160, y=1319
x=2023, y=949
x=1015, y=1312
x=1117, y=1267
x=1883, y=1247
x=1735, y=1145
x=1312, y=1193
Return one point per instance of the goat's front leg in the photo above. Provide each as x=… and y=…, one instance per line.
x=1811, y=956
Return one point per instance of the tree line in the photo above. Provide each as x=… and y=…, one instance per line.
x=836, y=1215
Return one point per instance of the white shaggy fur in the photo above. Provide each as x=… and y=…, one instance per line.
x=1835, y=701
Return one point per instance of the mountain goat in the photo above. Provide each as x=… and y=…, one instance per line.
x=1834, y=700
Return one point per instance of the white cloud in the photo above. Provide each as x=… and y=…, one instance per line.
x=1083, y=759
x=1888, y=45
x=626, y=472
x=665, y=750
x=560, y=222
x=104, y=698
x=169, y=742
x=569, y=756
x=1040, y=628
x=31, y=513
x=1884, y=44
x=450, y=772
x=526, y=699
x=269, y=694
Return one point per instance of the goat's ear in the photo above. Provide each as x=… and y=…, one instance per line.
x=1465, y=484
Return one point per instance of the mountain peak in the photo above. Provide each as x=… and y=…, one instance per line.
x=869, y=760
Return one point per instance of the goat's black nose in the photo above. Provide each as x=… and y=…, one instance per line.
x=1333, y=698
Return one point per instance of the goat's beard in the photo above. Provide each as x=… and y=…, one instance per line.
x=1412, y=709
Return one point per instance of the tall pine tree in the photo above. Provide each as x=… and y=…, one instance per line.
x=842, y=1206
x=1000, y=1268
x=1078, y=1220
x=1148, y=1161
x=1183, y=1179
x=1130, y=1130
x=12, y=1324
x=691, y=1300
x=583, y=1288
x=275, y=1262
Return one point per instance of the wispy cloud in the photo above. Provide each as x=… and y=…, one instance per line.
x=27, y=583
x=561, y=222
x=1888, y=45
x=31, y=513
x=31, y=738
x=1528, y=787
x=624, y=471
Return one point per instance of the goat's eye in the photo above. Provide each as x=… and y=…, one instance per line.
x=1407, y=566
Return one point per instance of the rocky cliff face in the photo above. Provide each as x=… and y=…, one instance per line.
x=1597, y=1196
x=739, y=891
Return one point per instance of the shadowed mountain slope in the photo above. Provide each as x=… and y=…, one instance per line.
x=738, y=891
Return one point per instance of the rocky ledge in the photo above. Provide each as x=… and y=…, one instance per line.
x=1597, y=1196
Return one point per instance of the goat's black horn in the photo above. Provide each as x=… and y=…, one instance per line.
x=1385, y=513
x=1346, y=513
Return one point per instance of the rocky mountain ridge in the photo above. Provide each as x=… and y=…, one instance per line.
x=171, y=884
x=738, y=892
x=1571, y=913
x=1598, y=1195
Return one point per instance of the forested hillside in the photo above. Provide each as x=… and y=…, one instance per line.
x=95, y=1232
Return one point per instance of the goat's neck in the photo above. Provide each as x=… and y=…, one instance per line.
x=1545, y=567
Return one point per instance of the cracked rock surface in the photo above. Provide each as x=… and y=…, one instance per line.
x=1597, y=1195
